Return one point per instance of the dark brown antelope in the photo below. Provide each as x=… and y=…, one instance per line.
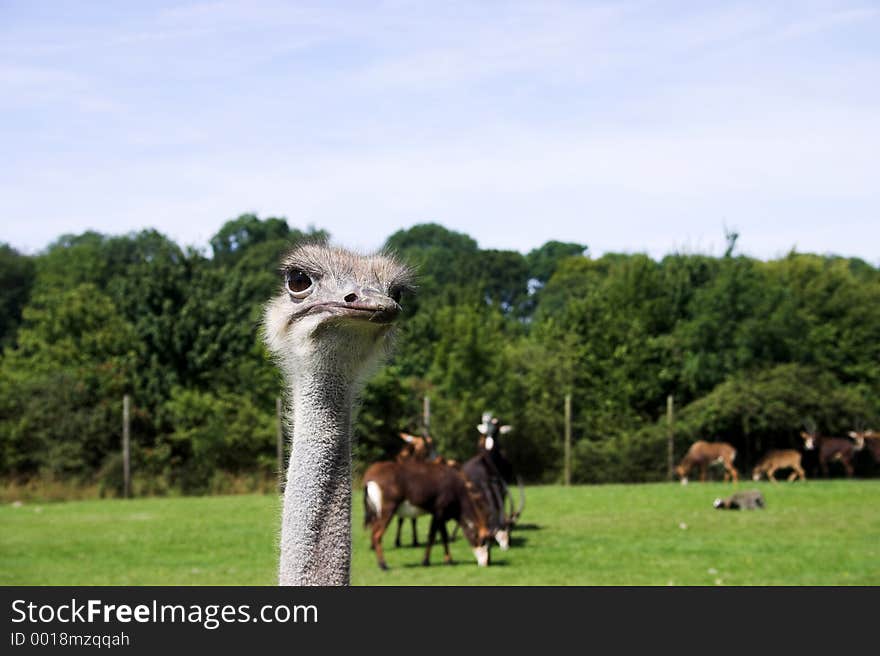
x=420, y=448
x=831, y=449
x=424, y=488
x=869, y=439
x=779, y=459
x=702, y=454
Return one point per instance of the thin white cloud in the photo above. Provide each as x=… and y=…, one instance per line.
x=626, y=126
x=827, y=20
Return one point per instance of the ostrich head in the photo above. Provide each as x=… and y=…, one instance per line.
x=335, y=309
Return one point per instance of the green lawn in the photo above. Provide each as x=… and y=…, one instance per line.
x=818, y=533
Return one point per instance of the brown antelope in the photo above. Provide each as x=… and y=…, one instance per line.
x=702, y=454
x=413, y=487
x=419, y=448
x=779, y=459
x=870, y=439
x=831, y=449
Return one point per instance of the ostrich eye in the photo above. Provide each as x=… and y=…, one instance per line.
x=395, y=295
x=298, y=282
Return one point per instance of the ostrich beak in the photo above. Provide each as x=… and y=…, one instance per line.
x=382, y=308
x=360, y=304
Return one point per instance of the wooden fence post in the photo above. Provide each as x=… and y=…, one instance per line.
x=670, y=437
x=567, y=470
x=126, y=446
x=426, y=416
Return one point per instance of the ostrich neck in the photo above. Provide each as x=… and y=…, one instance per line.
x=316, y=521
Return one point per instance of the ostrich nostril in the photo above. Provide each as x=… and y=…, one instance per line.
x=351, y=298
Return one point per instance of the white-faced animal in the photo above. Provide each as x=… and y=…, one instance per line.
x=745, y=500
x=491, y=473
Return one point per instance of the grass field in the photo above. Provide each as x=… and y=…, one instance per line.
x=818, y=533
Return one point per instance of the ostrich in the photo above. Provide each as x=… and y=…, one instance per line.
x=327, y=328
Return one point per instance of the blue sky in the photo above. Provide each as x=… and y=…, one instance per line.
x=628, y=126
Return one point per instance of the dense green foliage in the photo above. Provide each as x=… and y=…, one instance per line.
x=749, y=349
x=814, y=533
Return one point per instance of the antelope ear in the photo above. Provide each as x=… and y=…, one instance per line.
x=505, y=429
x=406, y=437
x=804, y=435
x=482, y=428
x=853, y=434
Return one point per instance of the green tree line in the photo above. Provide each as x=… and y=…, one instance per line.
x=749, y=349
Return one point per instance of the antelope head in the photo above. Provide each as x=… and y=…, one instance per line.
x=859, y=438
x=682, y=474
x=490, y=429
x=417, y=447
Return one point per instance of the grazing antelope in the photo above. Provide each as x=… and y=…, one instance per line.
x=702, y=454
x=490, y=471
x=745, y=500
x=831, y=449
x=779, y=459
x=413, y=487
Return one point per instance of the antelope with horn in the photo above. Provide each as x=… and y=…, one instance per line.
x=492, y=472
x=869, y=439
x=421, y=449
x=831, y=449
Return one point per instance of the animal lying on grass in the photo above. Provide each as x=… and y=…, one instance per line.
x=746, y=500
